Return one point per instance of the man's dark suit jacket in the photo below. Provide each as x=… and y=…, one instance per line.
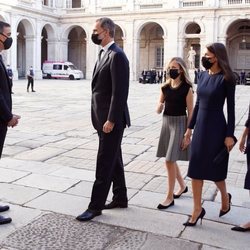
x=5, y=95
x=110, y=86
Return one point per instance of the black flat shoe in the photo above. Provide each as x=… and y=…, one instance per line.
x=225, y=212
x=116, y=204
x=4, y=208
x=4, y=220
x=192, y=224
x=160, y=206
x=176, y=196
x=88, y=215
x=240, y=229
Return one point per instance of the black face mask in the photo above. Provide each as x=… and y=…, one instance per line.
x=95, y=39
x=206, y=63
x=8, y=42
x=173, y=73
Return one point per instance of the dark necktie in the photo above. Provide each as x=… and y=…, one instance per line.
x=100, y=55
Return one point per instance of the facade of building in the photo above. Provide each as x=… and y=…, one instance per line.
x=150, y=31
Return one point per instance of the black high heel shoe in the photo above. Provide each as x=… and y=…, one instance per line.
x=225, y=212
x=176, y=196
x=191, y=224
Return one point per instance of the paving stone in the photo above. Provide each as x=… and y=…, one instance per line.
x=47, y=182
x=12, y=150
x=60, y=203
x=18, y=194
x=74, y=173
x=163, y=243
x=218, y=234
x=9, y=175
x=137, y=181
x=146, y=220
x=28, y=166
x=40, y=154
x=68, y=143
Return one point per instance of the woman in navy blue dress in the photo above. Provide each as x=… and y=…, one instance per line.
x=212, y=132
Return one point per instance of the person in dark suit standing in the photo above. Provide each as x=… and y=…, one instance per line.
x=10, y=74
x=110, y=115
x=30, y=76
x=7, y=119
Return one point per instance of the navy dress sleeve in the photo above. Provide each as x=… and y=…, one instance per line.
x=230, y=95
x=247, y=124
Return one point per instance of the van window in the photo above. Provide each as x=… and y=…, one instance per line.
x=65, y=67
x=57, y=66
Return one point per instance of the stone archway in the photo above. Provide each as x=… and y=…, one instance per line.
x=77, y=48
x=119, y=36
x=48, y=44
x=238, y=43
x=25, y=47
x=151, y=47
x=192, y=48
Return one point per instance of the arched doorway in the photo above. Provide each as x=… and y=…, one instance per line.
x=48, y=44
x=77, y=48
x=238, y=43
x=119, y=36
x=151, y=47
x=192, y=48
x=25, y=47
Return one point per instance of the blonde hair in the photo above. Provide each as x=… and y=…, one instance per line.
x=184, y=71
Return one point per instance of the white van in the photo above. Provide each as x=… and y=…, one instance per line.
x=61, y=70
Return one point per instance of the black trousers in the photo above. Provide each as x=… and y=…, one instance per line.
x=109, y=169
x=30, y=82
x=3, y=132
x=247, y=178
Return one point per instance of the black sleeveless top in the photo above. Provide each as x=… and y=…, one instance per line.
x=175, y=99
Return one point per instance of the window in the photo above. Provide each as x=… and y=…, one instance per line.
x=159, y=57
x=57, y=66
x=244, y=46
x=65, y=67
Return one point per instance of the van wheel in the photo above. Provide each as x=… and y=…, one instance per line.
x=71, y=77
x=49, y=76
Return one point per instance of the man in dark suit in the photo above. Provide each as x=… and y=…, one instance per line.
x=110, y=115
x=7, y=119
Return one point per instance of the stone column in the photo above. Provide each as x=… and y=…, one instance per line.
x=52, y=47
x=13, y=53
x=62, y=50
x=91, y=57
x=30, y=52
x=135, y=60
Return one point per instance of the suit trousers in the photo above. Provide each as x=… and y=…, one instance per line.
x=3, y=132
x=109, y=169
x=247, y=178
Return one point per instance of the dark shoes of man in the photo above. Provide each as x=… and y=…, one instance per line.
x=4, y=220
x=33, y=90
x=88, y=215
x=116, y=204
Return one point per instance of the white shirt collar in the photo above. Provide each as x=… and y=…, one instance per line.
x=106, y=47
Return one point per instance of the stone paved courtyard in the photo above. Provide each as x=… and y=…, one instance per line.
x=48, y=168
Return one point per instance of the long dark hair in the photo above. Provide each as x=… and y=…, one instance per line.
x=219, y=50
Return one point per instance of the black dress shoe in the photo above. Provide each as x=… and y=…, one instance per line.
x=240, y=229
x=4, y=208
x=88, y=215
x=4, y=220
x=176, y=196
x=160, y=206
x=115, y=204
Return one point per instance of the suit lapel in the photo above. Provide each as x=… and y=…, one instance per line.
x=102, y=62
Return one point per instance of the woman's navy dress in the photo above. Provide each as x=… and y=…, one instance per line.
x=211, y=127
x=247, y=178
